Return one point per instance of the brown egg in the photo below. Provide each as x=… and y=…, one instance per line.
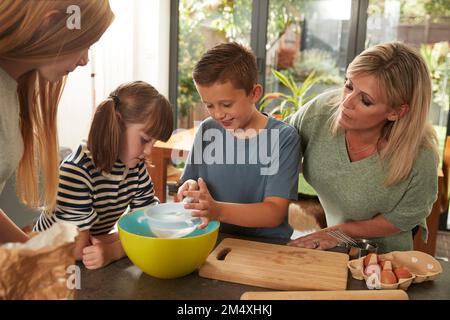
x=371, y=258
x=388, y=277
x=393, y=264
x=386, y=265
x=402, y=273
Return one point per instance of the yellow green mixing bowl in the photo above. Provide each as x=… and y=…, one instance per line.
x=165, y=258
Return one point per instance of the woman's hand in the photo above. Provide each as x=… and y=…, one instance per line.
x=203, y=204
x=318, y=240
x=9, y=232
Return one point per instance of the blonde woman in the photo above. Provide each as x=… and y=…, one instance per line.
x=40, y=43
x=369, y=150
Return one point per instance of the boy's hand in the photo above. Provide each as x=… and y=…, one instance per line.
x=188, y=185
x=203, y=206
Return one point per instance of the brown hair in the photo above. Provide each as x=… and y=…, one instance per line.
x=227, y=62
x=26, y=36
x=133, y=102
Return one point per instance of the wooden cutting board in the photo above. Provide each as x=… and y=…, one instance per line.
x=276, y=266
x=328, y=295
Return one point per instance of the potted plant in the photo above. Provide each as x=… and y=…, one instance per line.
x=285, y=104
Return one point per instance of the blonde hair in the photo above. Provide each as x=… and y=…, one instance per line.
x=131, y=103
x=403, y=78
x=27, y=36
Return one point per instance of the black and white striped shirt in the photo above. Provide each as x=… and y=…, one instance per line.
x=94, y=200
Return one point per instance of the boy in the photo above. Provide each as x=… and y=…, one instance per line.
x=243, y=167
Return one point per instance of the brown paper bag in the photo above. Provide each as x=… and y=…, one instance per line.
x=38, y=268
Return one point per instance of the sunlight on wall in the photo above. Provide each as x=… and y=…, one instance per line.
x=135, y=47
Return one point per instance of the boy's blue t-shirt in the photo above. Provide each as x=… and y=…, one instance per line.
x=247, y=170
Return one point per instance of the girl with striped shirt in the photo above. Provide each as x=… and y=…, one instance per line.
x=107, y=175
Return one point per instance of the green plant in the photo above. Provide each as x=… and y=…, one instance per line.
x=319, y=61
x=415, y=11
x=282, y=14
x=188, y=96
x=289, y=103
x=224, y=19
x=437, y=57
x=418, y=11
x=438, y=8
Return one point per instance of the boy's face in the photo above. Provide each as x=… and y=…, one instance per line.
x=135, y=145
x=229, y=106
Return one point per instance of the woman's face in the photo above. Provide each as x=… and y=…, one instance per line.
x=135, y=145
x=55, y=69
x=363, y=107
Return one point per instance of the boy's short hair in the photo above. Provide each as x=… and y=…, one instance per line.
x=227, y=62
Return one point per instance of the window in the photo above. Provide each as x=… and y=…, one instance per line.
x=305, y=37
x=424, y=24
x=290, y=36
x=203, y=24
x=296, y=37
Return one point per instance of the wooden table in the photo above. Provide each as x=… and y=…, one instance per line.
x=123, y=280
x=177, y=147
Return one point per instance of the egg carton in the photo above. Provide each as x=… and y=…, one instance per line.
x=422, y=267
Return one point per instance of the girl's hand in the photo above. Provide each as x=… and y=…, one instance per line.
x=102, y=253
x=318, y=240
x=188, y=185
x=96, y=256
x=203, y=204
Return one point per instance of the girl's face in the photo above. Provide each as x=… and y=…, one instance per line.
x=362, y=106
x=229, y=106
x=135, y=145
x=56, y=68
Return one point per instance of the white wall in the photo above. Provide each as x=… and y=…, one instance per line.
x=135, y=47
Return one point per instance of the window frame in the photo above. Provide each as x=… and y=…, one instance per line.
x=258, y=39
